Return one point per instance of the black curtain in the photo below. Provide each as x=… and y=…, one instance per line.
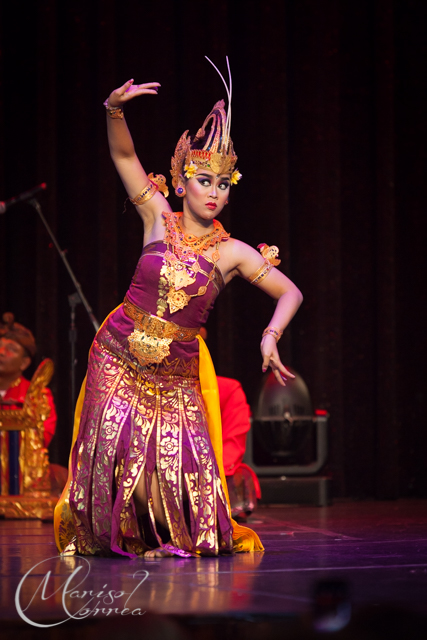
x=329, y=124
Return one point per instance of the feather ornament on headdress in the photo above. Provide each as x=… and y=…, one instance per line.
x=212, y=147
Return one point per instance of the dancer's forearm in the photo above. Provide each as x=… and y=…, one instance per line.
x=119, y=139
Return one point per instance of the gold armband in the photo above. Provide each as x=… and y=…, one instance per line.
x=261, y=273
x=157, y=183
x=270, y=255
x=146, y=194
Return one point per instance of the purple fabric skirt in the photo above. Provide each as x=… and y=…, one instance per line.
x=136, y=420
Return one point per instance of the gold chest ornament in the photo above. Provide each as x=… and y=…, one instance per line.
x=181, y=265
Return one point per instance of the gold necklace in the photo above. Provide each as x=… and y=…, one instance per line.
x=181, y=265
x=186, y=243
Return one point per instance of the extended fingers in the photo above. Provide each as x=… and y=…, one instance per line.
x=147, y=87
x=271, y=358
x=122, y=90
x=279, y=377
x=277, y=367
x=265, y=362
x=273, y=361
x=286, y=371
x=280, y=371
x=276, y=363
x=130, y=90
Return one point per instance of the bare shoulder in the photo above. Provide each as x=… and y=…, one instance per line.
x=239, y=253
x=238, y=250
x=239, y=258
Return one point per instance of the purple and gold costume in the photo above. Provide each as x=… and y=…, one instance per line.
x=136, y=419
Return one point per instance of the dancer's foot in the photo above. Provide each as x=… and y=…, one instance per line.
x=158, y=553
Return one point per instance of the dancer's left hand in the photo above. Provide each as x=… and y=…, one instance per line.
x=271, y=358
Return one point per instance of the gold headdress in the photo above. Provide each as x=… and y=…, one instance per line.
x=211, y=148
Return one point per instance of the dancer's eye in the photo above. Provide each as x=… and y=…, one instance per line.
x=204, y=182
x=223, y=185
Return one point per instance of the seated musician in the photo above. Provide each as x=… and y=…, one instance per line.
x=17, y=348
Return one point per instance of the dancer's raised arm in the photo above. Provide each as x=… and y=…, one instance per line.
x=123, y=153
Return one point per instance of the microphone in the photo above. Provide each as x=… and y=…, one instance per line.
x=25, y=195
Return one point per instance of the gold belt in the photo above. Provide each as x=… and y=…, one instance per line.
x=149, y=342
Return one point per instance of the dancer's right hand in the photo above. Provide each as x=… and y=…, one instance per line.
x=129, y=90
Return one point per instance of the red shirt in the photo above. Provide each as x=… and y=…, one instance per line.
x=235, y=414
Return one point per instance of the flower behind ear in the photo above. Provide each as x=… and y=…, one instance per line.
x=190, y=170
x=235, y=176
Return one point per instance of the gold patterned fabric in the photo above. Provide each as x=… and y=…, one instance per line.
x=136, y=422
x=133, y=420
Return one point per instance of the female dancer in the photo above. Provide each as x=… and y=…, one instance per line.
x=146, y=475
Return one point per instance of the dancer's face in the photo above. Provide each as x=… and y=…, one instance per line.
x=207, y=193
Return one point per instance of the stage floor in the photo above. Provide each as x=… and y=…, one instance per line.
x=378, y=548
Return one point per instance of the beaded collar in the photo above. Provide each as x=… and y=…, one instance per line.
x=186, y=244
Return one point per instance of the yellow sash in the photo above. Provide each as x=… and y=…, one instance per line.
x=244, y=539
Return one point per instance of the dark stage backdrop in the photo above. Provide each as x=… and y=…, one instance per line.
x=329, y=124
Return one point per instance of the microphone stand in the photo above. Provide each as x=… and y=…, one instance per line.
x=73, y=300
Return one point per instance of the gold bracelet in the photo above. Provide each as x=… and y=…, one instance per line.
x=114, y=112
x=272, y=331
x=261, y=273
x=146, y=194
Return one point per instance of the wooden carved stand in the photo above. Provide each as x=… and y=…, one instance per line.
x=34, y=500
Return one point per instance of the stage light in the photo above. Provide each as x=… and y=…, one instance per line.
x=288, y=439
